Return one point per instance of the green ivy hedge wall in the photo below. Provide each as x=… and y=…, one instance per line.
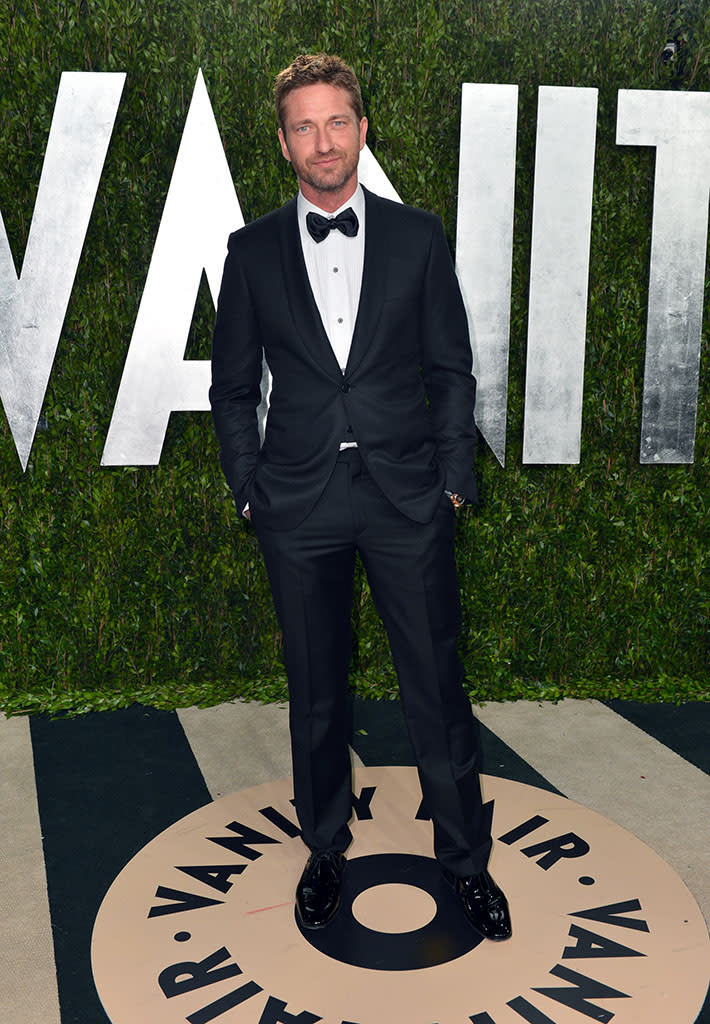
x=123, y=585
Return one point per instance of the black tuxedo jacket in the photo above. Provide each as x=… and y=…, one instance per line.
x=407, y=393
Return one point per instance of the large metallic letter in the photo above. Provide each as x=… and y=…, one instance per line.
x=678, y=125
x=559, y=272
x=373, y=177
x=201, y=209
x=33, y=306
x=484, y=244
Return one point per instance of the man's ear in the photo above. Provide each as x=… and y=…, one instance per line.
x=284, y=147
x=363, y=131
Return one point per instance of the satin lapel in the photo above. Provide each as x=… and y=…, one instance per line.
x=374, y=279
x=302, y=304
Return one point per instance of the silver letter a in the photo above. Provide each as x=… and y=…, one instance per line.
x=201, y=210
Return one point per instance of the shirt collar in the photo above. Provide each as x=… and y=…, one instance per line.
x=356, y=201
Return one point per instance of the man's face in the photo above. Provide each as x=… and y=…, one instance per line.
x=322, y=139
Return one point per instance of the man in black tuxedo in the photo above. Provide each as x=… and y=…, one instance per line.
x=369, y=447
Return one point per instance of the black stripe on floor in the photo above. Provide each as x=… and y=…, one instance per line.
x=379, y=737
x=106, y=785
x=685, y=728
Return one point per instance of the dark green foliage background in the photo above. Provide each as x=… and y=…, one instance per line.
x=141, y=584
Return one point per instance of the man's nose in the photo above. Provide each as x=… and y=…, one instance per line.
x=322, y=140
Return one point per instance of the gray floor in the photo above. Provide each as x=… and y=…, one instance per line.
x=604, y=762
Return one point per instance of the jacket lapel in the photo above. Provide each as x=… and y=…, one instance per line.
x=374, y=279
x=302, y=304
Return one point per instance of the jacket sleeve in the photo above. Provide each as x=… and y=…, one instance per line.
x=237, y=359
x=447, y=368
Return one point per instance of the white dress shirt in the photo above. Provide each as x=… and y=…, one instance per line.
x=334, y=269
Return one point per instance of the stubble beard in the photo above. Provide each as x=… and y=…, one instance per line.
x=326, y=180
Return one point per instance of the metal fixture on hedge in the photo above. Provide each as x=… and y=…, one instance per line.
x=669, y=51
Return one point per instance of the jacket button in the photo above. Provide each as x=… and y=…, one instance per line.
x=345, y=388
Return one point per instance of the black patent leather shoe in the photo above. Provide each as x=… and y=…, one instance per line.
x=484, y=905
x=318, y=891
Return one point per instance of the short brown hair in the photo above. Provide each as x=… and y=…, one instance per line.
x=311, y=68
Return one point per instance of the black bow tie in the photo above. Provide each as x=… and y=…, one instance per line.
x=320, y=227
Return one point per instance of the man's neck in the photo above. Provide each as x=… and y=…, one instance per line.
x=328, y=202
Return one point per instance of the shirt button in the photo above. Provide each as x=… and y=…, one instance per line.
x=335, y=270
x=340, y=319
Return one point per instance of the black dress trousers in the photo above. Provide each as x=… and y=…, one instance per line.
x=411, y=571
